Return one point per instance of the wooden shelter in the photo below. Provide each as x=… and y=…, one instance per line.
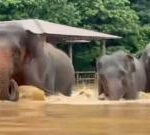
x=57, y=33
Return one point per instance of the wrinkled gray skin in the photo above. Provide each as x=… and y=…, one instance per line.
x=145, y=59
x=24, y=57
x=12, y=49
x=51, y=70
x=120, y=76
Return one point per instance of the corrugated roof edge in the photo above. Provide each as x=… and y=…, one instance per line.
x=41, y=27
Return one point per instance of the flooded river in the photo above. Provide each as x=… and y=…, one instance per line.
x=41, y=118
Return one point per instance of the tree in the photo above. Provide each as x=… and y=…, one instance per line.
x=60, y=11
x=109, y=16
x=112, y=16
x=129, y=19
x=18, y=9
x=142, y=9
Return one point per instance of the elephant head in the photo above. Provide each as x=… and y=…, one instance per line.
x=115, y=73
x=16, y=46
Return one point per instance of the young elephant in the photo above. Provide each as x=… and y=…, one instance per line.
x=120, y=76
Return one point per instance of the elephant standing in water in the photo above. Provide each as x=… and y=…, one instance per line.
x=145, y=59
x=12, y=51
x=51, y=70
x=120, y=76
x=24, y=57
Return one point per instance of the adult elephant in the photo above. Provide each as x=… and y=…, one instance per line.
x=51, y=70
x=120, y=76
x=12, y=52
x=145, y=59
x=20, y=49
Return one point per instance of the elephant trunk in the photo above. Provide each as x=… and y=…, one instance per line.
x=112, y=88
x=4, y=85
x=115, y=89
x=6, y=70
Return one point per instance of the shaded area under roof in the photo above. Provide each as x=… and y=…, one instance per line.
x=60, y=32
x=77, y=41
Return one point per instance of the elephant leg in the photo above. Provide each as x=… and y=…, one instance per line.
x=50, y=85
x=36, y=75
x=100, y=86
x=68, y=90
x=131, y=94
x=131, y=91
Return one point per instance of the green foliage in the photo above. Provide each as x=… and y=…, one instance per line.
x=60, y=11
x=85, y=55
x=18, y=9
x=143, y=11
x=112, y=16
x=129, y=19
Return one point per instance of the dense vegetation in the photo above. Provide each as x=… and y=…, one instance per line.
x=129, y=19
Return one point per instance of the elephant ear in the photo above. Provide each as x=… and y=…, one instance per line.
x=145, y=58
x=131, y=63
x=34, y=44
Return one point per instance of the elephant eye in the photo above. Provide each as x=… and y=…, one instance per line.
x=122, y=74
x=16, y=52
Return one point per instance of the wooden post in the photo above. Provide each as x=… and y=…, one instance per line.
x=43, y=37
x=70, y=52
x=103, y=47
x=77, y=77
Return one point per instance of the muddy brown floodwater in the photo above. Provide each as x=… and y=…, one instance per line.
x=40, y=118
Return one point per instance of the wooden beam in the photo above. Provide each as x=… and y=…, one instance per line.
x=70, y=52
x=43, y=37
x=103, y=47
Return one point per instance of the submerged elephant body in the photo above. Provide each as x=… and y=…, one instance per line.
x=120, y=76
x=51, y=71
x=24, y=56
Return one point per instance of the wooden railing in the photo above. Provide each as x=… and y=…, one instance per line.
x=85, y=76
